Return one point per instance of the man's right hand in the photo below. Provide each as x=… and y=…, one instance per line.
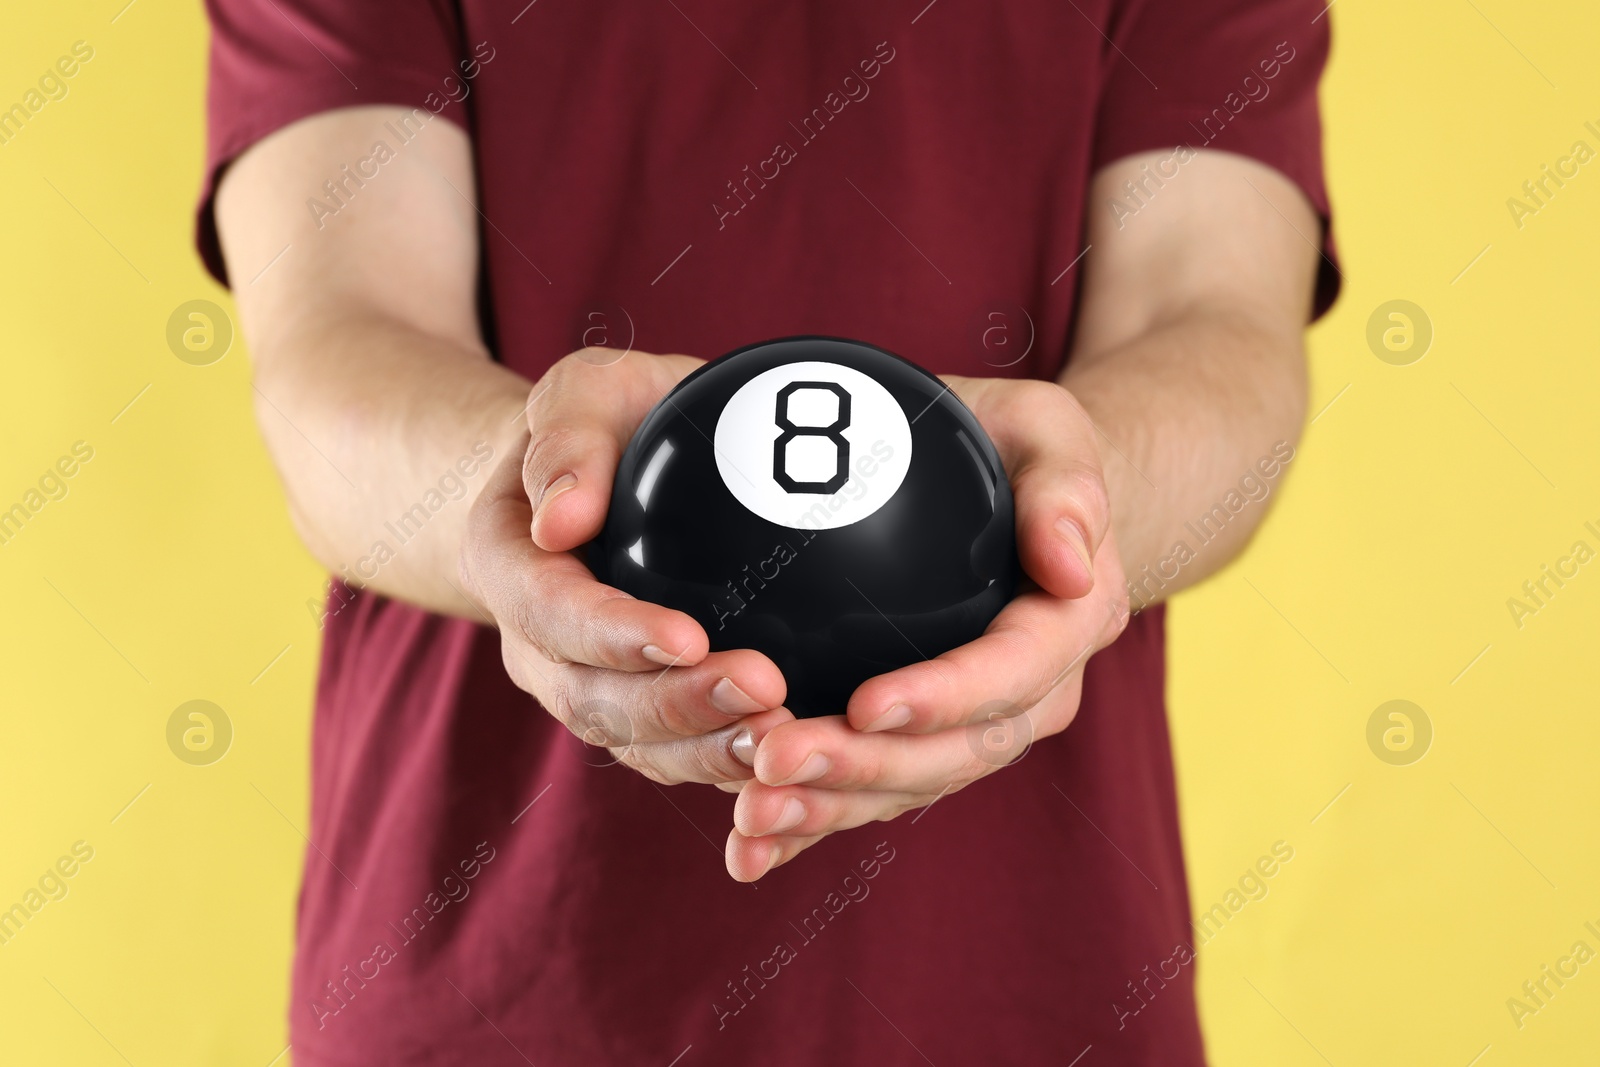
x=367, y=394
x=632, y=676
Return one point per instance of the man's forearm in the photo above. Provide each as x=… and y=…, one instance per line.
x=378, y=403
x=383, y=436
x=1197, y=418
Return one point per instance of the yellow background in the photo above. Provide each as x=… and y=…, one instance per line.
x=1417, y=902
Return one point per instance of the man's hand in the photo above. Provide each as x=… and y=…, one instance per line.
x=921, y=732
x=367, y=394
x=1187, y=353
x=632, y=676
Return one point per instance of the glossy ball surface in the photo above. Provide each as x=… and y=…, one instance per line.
x=819, y=500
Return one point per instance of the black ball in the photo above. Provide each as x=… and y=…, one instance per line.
x=819, y=500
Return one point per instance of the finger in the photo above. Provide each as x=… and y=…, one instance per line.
x=1051, y=453
x=496, y=512
x=581, y=416
x=559, y=607
x=749, y=858
x=553, y=603
x=1031, y=647
x=828, y=754
x=716, y=758
x=802, y=811
x=615, y=708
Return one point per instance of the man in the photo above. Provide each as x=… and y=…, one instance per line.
x=1101, y=221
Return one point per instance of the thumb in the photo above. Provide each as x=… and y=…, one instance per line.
x=1046, y=441
x=581, y=417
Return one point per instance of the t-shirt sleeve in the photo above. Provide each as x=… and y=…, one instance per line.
x=274, y=62
x=1230, y=75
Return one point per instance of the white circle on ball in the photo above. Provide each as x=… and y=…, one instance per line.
x=821, y=475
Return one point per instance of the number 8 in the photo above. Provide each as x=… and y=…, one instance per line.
x=780, y=450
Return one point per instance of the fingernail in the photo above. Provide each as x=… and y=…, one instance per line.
x=1074, y=537
x=744, y=747
x=815, y=766
x=792, y=815
x=657, y=654
x=553, y=490
x=731, y=700
x=773, y=857
x=892, y=719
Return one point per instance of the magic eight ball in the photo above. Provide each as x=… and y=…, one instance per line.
x=819, y=500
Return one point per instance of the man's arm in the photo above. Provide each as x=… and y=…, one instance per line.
x=1188, y=355
x=372, y=382
x=1188, y=360
x=374, y=390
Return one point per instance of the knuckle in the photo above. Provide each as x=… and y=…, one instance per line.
x=601, y=723
x=555, y=436
x=526, y=622
x=1086, y=490
x=667, y=716
x=540, y=395
x=591, y=356
x=1049, y=402
x=560, y=370
x=1060, y=398
x=698, y=763
x=862, y=772
x=1079, y=488
x=550, y=446
x=711, y=759
x=1044, y=392
x=663, y=764
x=559, y=703
x=673, y=710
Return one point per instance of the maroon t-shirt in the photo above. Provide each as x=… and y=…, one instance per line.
x=692, y=176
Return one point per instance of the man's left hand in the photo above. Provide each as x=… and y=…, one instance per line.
x=915, y=735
